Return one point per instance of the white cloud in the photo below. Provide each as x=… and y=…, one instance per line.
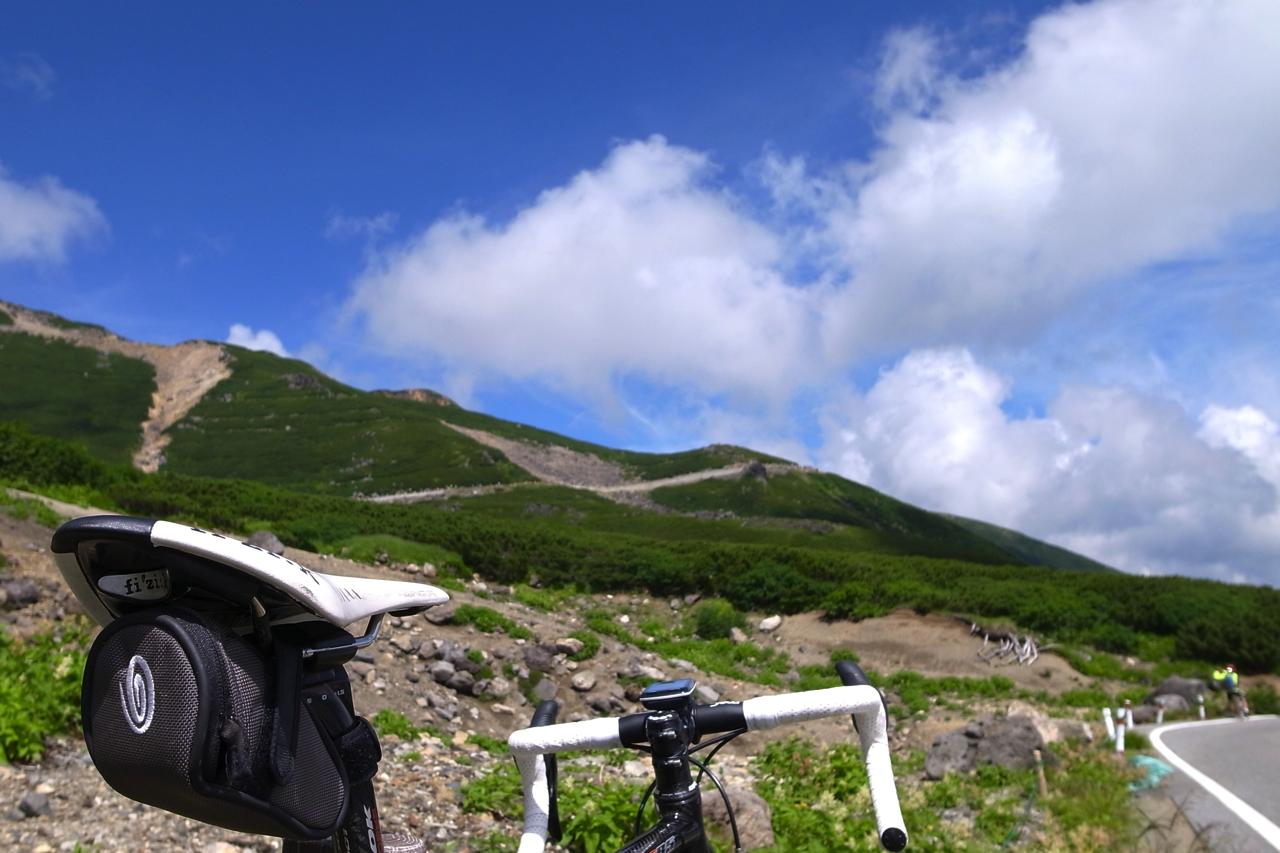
x=1127, y=133
x=263, y=339
x=909, y=71
x=28, y=72
x=1124, y=477
x=40, y=218
x=637, y=268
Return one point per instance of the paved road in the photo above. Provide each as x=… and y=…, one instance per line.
x=1231, y=778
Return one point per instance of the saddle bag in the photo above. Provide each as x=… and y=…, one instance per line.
x=181, y=713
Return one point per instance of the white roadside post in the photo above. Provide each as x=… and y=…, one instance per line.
x=1160, y=715
x=1128, y=713
x=1120, y=734
x=1200, y=702
x=1110, y=724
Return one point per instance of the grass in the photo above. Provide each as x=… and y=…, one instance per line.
x=281, y=421
x=5, y=319
x=27, y=508
x=367, y=549
x=490, y=621
x=76, y=393
x=392, y=722
x=39, y=690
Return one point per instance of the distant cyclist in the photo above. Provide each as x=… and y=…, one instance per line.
x=1228, y=680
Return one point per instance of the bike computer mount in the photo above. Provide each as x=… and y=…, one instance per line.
x=668, y=695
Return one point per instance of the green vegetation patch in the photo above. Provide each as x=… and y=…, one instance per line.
x=371, y=547
x=5, y=319
x=76, y=393
x=595, y=816
x=827, y=497
x=490, y=621
x=25, y=508
x=280, y=421
x=39, y=690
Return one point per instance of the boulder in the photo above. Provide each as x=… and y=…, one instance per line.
x=755, y=822
x=770, y=623
x=569, y=645
x=20, y=592
x=540, y=657
x=583, y=681
x=1171, y=702
x=462, y=681
x=494, y=688
x=544, y=690
x=442, y=671
x=737, y=635
x=1187, y=688
x=267, y=541
x=1003, y=741
x=705, y=694
x=1144, y=714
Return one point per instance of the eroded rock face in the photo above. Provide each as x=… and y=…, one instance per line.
x=1003, y=741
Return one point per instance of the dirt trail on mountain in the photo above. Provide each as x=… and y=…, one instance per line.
x=561, y=466
x=184, y=374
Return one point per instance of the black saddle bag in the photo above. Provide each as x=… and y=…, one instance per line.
x=183, y=714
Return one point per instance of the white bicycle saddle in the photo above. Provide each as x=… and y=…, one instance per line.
x=116, y=564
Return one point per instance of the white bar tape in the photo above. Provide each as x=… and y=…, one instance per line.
x=528, y=746
x=864, y=702
x=599, y=733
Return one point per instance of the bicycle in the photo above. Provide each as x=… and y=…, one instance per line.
x=251, y=630
x=672, y=727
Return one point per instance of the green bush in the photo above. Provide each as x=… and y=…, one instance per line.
x=715, y=618
x=1262, y=699
x=39, y=690
x=590, y=645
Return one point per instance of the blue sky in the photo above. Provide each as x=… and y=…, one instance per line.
x=1012, y=261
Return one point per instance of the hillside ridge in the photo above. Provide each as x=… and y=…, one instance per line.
x=184, y=372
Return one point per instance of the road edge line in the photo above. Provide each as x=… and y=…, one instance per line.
x=1247, y=813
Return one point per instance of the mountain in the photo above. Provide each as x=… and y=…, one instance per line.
x=213, y=410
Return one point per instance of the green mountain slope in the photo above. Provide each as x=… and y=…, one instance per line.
x=1028, y=550
x=894, y=526
x=75, y=393
x=282, y=422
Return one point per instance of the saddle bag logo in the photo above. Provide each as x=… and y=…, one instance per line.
x=138, y=695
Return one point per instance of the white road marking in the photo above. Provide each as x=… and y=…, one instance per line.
x=1268, y=830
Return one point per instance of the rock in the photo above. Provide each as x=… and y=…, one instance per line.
x=440, y=615
x=34, y=804
x=504, y=710
x=624, y=619
x=360, y=668
x=569, y=645
x=544, y=690
x=691, y=599
x=1144, y=714
x=1003, y=741
x=428, y=570
x=496, y=688
x=1187, y=688
x=755, y=823
x=442, y=671
x=770, y=623
x=737, y=635
x=462, y=682
x=1171, y=702
x=583, y=681
x=540, y=657
x=682, y=664
x=637, y=769
x=267, y=541
x=705, y=694
x=20, y=592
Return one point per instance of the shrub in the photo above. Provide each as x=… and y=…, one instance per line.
x=715, y=618
x=490, y=621
x=39, y=690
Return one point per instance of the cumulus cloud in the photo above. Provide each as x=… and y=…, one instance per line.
x=636, y=268
x=263, y=339
x=40, y=218
x=28, y=72
x=1126, y=478
x=1127, y=133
